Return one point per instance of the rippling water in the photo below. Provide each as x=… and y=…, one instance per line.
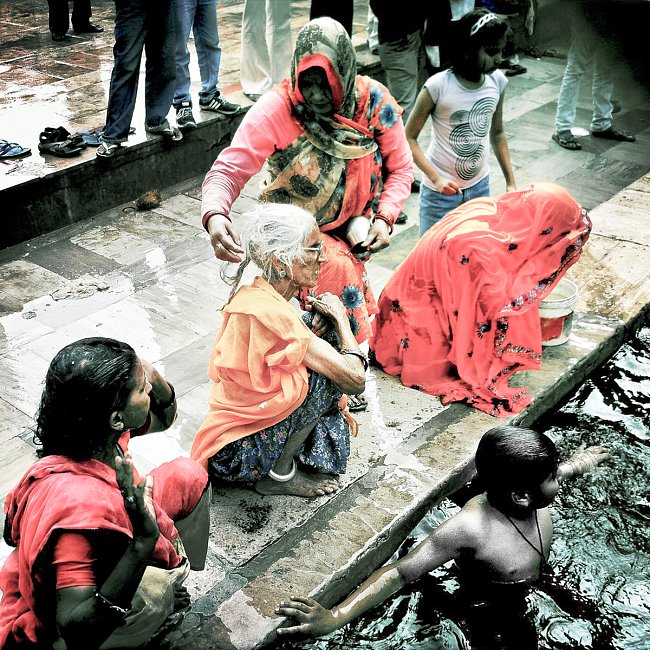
x=598, y=596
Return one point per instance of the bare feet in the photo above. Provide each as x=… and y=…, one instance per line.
x=181, y=599
x=301, y=485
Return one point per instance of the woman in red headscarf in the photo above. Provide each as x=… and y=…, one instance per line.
x=333, y=143
x=461, y=314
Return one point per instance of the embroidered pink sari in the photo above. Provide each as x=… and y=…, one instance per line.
x=461, y=314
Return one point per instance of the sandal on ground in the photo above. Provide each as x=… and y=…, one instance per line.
x=357, y=403
x=50, y=134
x=64, y=149
x=614, y=134
x=553, y=54
x=567, y=140
x=59, y=36
x=13, y=150
x=515, y=69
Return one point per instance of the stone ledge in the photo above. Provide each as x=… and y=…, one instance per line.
x=93, y=185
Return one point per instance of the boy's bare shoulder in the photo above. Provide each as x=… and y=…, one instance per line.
x=467, y=524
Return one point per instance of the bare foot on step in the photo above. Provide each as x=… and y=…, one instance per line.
x=301, y=485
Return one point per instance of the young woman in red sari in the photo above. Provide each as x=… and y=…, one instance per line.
x=334, y=144
x=100, y=553
x=461, y=314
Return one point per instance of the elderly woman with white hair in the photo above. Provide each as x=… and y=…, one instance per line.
x=278, y=415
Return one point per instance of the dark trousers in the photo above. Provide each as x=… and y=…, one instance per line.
x=60, y=15
x=341, y=10
x=149, y=26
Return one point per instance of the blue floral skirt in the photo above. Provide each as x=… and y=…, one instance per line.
x=326, y=449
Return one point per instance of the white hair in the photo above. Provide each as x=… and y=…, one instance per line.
x=271, y=232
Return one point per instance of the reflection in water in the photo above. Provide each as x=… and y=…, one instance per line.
x=597, y=596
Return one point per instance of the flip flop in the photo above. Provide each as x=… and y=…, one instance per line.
x=357, y=403
x=553, y=54
x=13, y=150
x=614, y=134
x=567, y=140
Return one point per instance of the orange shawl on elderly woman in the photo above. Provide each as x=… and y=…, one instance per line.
x=461, y=314
x=256, y=366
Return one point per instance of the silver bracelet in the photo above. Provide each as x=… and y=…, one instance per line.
x=110, y=606
x=359, y=354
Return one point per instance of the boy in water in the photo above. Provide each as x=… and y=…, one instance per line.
x=500, y=541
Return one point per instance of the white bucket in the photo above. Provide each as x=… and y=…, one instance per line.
x=556, y=313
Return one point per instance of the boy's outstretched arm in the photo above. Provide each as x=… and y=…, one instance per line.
x=316, y=620
x=582, y=461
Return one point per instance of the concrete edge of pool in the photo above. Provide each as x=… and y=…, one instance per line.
x=330, y=547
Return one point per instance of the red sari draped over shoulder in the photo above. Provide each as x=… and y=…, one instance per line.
x=57, y=494
x=461, y=314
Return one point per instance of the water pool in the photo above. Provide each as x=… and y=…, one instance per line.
x=597, y=596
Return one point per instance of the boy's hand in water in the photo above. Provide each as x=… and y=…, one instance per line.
x=584, y=460
x=313, y=618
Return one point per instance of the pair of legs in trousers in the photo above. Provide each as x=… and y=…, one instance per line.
x=141, y=26
x=59, y=16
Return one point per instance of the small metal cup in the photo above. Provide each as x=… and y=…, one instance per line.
x=356, y=232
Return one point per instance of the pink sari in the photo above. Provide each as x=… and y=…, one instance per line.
x=461, y=314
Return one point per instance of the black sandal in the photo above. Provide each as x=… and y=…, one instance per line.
x=614, y=134
x=65, y=149
x=567, y=140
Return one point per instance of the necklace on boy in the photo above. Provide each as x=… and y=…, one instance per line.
x=539, y=535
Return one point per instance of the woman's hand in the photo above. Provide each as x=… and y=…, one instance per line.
x=326, y=305
x=159, y=385
x=378, y=238
x=163, y=407
x=320, y=325
x=138, y=501
x=313, y=618
x=224, y=238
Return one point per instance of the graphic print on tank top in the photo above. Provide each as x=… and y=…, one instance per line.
x=467, y=137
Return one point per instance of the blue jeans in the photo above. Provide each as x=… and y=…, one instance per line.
x=199, y=16
x=435, y=205
x=586, y=50
x=141, y=25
